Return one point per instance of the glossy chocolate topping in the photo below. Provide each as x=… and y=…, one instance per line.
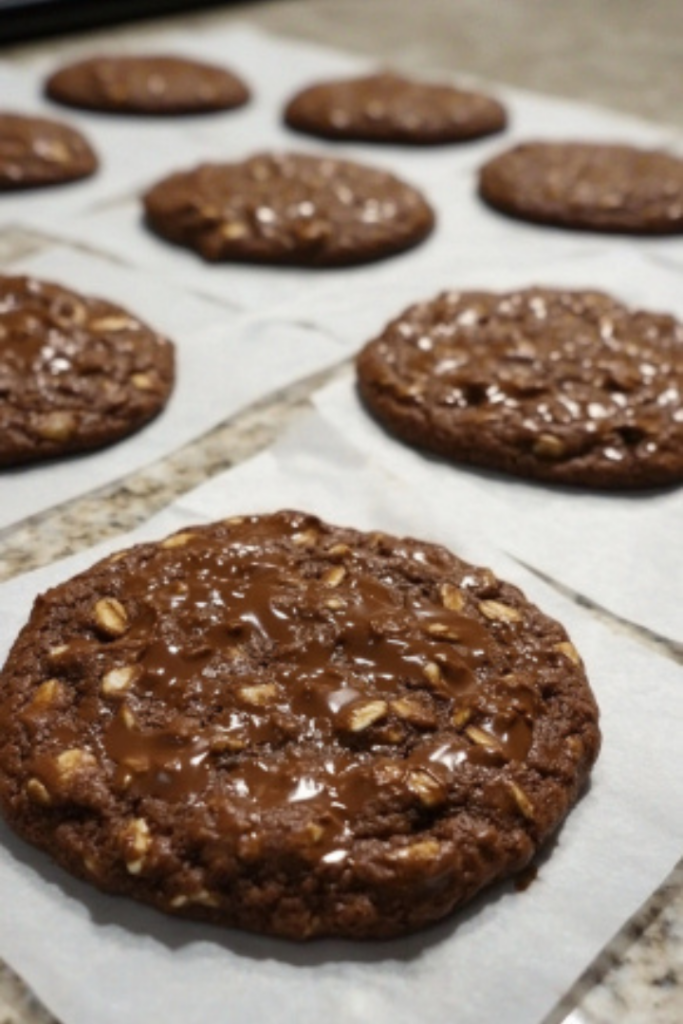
x=264, y=664
x=292, y=727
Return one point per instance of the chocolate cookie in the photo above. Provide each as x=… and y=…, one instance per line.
x=147, y=84
x=292, y=728
x=35, y=152
x=569, y=387
x=582, y=185
x=75, y=372
x=289, y=208
x=390, y=108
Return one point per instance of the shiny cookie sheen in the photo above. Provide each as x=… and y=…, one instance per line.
x=568, y=387
x=293, y=728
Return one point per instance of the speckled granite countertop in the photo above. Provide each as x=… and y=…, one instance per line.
x=620, y=53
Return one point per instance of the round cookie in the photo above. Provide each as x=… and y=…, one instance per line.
x=570, y=387
x=391, y=108
x=75, y=372
x=610, y=188
x=146, y=84
x=35, y=152
x=289, y=208
x=292, y=728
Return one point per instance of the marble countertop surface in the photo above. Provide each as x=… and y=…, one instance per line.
x=619, y=53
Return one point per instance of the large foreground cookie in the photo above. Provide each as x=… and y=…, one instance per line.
x=35, y=151
x=569, y=387
x=291, y=209
x=589, y=186
x=75, y=372
x=390, y=108
x=292, y=728
x=146, y=84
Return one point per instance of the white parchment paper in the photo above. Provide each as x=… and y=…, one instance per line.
x=276, y=68
x=222, y=364
x=94, y=958
x=468, y=233
x=622, y=552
